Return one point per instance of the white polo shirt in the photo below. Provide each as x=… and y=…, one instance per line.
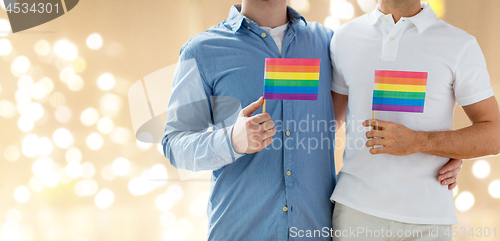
x=403, y=188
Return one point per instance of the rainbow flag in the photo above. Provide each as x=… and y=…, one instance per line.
x=291, y=79
x=400, y=91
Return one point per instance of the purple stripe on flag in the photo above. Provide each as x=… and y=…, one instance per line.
x=398, y=108
x=284, y=96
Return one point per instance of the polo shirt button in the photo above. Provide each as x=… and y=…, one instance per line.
x=248, y=21
x=391, y=38
x=285, y=209
x=287, y=133
x=385, y=20
x=248, y=27
x=288, y=173
x=263, y=35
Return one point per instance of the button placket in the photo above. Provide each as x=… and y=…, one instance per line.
x=390, y=47
x=288, y=146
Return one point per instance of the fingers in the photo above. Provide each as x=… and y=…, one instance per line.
x=379, y=150
x=451, y=165
x=258, y=137
x=449, y=174
x=251, y=108
x=375, y=123
x=269, y=133
x=449, y=181
x=267, y=142
x=375, y=142
x=268, y=125
x=258, y=130
x=260, y=118
x=374, y=133
x=261, y=140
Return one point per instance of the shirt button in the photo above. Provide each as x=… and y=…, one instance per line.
x=287, y=133
x=248, y=21
x=248, y=27
x=391, y=38
x=263, y=35
x=285, y=209
x=288, y=173
x=385, y=20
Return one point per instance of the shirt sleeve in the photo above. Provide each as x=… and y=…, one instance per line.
x=338, y=82
x=472, y=81
x=192, y=141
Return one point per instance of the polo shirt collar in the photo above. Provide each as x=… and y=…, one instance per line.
x=236, y=19
x=375, y=15
x=422, y=20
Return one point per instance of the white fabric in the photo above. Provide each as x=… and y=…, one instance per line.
x=352, y=225
x=403, y=188
x=277, y=33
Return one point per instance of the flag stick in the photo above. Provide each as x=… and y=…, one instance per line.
x=373, y=127
x=264, y=107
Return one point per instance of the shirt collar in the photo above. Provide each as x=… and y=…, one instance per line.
x=375, y=15
x=422, y=20
x=236, y=19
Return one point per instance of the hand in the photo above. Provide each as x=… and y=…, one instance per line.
x=448, y=174
x=396, y=139
x=252, y=133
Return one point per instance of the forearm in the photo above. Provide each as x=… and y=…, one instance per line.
x=480, y=139
x=339, y=108
x=339, y=117
x=199, y=151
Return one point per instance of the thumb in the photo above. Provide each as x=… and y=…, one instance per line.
x=251, y=108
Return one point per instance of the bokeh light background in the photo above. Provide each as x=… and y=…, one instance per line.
x=70, y=166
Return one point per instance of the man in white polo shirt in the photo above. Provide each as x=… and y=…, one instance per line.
x=419, y=67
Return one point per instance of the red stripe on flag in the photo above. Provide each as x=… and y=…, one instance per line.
x=401, y=74
x=294, y=62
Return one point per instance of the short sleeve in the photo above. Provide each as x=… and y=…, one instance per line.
x=472, y=81
x=338, y=82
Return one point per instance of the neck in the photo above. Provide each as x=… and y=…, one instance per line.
x=265, y=13
x=400, y=8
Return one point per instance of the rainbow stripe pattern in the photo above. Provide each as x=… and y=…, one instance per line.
x=291, y=79
x=399, y=91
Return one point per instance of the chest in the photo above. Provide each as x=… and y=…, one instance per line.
x=238, y=71
x=359, y=60
x=365, y=57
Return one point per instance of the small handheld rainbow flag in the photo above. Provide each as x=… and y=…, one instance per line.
x=291, y=79
x=399, y=91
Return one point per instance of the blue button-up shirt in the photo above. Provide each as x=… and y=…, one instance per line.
x=282, y=192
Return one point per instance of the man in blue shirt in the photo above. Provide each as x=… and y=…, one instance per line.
x=286, y=184
x=273, y=172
